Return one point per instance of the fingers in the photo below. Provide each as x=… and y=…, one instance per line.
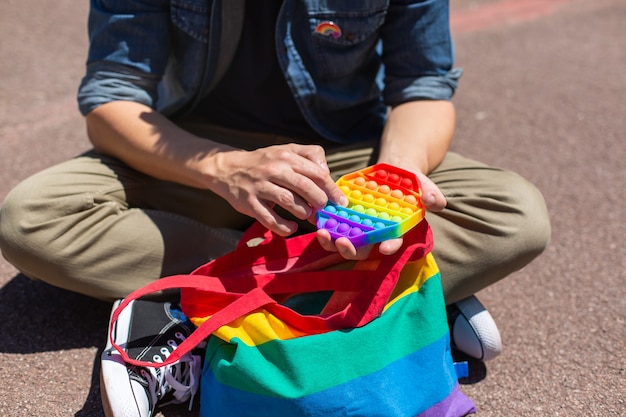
x=347, y=250
x=275, y=194
x=315, y=154
x=316, y=170
x=325, y=240
x=299, y=181
x=391, y=246
x=267, y=216
x=432, y=197
x=342, y=245
x=294, y=177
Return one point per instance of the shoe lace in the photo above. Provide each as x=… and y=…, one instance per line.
x=180, y=379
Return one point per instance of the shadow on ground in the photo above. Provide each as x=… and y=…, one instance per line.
x=41, y=318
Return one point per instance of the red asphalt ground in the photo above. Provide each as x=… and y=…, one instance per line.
x=543, y=94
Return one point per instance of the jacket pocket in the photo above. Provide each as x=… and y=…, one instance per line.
x=192, y=17
x=345, y=29
x=343, y=41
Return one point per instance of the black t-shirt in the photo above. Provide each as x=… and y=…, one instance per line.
x=253, y=94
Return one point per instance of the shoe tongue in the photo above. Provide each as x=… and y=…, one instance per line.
x=154, y=330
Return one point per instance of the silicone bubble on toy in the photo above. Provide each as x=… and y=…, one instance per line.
x=384, y=203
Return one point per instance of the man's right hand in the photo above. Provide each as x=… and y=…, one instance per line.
x=294, y=177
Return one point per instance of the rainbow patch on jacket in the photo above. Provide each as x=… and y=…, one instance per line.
x=329, y=29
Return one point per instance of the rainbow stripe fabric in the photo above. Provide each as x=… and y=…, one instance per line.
x=397, y=365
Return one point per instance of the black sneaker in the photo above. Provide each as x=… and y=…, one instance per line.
x=147, y=331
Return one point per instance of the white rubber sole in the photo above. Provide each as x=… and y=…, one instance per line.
x=121, y=396
x=474, y=332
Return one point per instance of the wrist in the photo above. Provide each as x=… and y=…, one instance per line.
x=216, y=167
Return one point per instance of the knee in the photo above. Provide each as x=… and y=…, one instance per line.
x=30, y=223
x=17, y=228
x=11, y=225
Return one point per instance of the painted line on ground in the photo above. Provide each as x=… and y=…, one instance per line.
x=500, y=13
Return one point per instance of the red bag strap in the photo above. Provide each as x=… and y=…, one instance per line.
x=276, y=254
x=245, y=304
x=371, y=287
x=239, y=295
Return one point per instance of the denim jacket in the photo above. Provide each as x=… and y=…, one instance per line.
x=345, y=61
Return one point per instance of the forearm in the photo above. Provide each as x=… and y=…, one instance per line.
x=418, y=134
x=292, y=176
x=149, y=142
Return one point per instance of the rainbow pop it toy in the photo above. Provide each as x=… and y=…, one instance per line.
x=384, y=203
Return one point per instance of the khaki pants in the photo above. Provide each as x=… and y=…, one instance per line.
x=97, y=227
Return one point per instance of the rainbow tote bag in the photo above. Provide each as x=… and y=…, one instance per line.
x=294, y=330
